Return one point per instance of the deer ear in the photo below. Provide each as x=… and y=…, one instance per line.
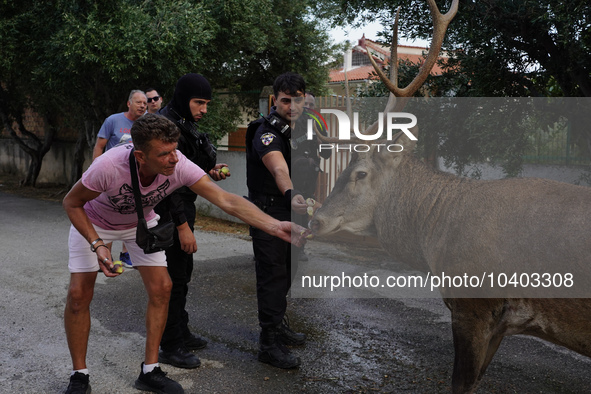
x=405, y=140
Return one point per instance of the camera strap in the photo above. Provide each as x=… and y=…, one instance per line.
x=135, y=186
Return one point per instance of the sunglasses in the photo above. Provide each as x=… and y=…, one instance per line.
x=155, y=98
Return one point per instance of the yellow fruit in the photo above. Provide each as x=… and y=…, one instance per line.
x=310, y=202
x=310, y=211
x=117, y=267
x=307, y=234
x=224, y=170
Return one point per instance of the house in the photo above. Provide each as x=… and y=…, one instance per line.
x=359, y=69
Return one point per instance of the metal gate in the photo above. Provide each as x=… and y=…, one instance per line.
x=332, y=167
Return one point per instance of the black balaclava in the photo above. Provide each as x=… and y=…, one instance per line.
x=189, y=86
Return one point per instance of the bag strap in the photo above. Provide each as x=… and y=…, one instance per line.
x=135, y=185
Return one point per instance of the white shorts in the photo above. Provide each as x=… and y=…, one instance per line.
x=82, y=259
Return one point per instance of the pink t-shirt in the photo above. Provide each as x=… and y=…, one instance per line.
x=114, y=208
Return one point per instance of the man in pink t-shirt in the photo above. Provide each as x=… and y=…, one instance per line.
x=101, y=207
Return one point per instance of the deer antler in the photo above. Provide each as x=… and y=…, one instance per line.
x=325, y=139
x=391, y=101
x=440, y=24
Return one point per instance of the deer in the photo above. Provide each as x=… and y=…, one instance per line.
x=436, y=221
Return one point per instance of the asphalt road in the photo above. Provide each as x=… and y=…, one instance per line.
x=376, y=344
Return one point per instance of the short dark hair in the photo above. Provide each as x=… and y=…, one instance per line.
x=153, y=127
x=149, y=90
x=289, y=83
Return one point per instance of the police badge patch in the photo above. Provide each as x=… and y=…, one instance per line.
x=267, y=138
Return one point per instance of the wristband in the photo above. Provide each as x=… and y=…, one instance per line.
x=289, y=194
x=98, y=246
x=92, y=248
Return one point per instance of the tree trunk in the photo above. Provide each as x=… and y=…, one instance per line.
x=78, y=158
x=86, y=138
x=30, y=143
x=33, y=171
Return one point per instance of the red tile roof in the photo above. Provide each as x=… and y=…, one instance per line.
x=364, y=72
x=356, y=74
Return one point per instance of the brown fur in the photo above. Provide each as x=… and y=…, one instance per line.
x=439, y=222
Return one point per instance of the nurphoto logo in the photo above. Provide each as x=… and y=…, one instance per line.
x=344, y=130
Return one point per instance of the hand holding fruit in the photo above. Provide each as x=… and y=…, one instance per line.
x=313, y=205
x=306, y=233
x=117, y=267
x=220, y=172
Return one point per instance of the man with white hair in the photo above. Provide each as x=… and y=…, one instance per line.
x=116, y=128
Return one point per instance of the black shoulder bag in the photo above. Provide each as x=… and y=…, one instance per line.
x=154, y=239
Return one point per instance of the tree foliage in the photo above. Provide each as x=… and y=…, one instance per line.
x=499, y=48
x=506, y=47
x=77, y=60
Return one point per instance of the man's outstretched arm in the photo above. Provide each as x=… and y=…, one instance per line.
x=246, y=211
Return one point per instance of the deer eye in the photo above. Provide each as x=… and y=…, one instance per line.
x=361, y=175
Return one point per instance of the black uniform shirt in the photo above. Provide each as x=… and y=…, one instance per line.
x=266, y=139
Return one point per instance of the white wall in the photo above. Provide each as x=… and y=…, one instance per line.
x=57, y=163
x=236, y=183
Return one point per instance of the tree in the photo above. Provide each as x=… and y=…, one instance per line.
x=259, y=40
x=520, y=48
x=77, y=60
x=506, y=47
x=25, y=138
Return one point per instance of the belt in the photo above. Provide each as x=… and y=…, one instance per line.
x=267, y=200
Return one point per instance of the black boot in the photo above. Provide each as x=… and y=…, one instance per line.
x=272, y=351
x=288, y=336
x=180, y=358
x=193, y=342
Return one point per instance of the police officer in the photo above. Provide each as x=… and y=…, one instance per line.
x=188, y=106
x=269, y=145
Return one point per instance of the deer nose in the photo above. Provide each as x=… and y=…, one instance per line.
x=314, y=225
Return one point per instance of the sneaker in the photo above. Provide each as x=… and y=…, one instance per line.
x=157, y=382
x=125, y=259
x=272, y=351
x=288, y=336
x=79, y=384
x=193, y=342
x=180, y=358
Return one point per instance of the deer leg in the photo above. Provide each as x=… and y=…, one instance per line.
x=475, y=342
x=493, y=345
